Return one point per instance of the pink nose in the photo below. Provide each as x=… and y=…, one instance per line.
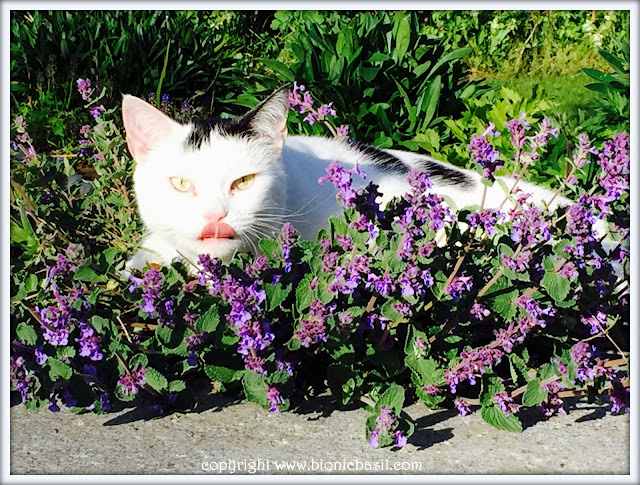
x=216, y=229
x=215, y=216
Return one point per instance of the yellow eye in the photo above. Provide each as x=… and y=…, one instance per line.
x=180, y=184
x=243, y=183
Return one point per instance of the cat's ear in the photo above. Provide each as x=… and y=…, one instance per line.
x=269, y=118
x=145, y=125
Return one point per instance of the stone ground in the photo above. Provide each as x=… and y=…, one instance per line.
x=240, y=435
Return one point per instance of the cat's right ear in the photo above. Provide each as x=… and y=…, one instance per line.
x=145, y=125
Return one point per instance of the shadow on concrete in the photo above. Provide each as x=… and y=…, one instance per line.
x=424, y=437
x=320, y=407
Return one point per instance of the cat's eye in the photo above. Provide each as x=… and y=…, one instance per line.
x=243, y=183
x=180, y=184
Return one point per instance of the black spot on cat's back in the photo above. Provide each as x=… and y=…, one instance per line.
x=448, y=175
x=379, y=157
x=385, y=160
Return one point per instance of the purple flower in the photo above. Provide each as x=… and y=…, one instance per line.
x=505, y=403
x=580, y=157
x=431, y=390
x=462, y=406
x=275, y=399
x=151, y=285
x=382, y=284
x=619, y=397
x=479, y=312
x=20, y=378
x=518, y=129
x=41, y=357
x=343, y=130
x=506, y=338
x=615, y=162
x=400, y=439
x=311, y=118
x=89, y=342
x=458, y=285
x=373, y=438
x=483, y=152
x=488, y=218
x=533, y=309
x=96, y=111
x=588, y=365
x=385, y=419
x=598, y=322
x=553, y=404
x=193, y=342
x=529, y=226
x=131, y=382
x=84, y=87
x=341, y=180
x=286, y=238
x=313, y=327
x=326, y=110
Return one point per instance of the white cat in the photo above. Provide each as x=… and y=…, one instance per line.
x=217, y=187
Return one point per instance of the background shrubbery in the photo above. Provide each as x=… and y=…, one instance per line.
x=424, y=81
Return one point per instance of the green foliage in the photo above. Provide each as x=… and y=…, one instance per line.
x=508, y=43
x=400, y=78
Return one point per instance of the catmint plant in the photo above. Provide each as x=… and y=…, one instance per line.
x=523, y=310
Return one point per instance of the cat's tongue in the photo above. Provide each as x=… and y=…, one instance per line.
x=217, y=230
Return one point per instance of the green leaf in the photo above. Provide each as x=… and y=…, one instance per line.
x=85, y=273
x=208, y=321
x=304, y=295
x=547, y=370
x=223, y=374
x=503, y=302
x=338, y=226
x=517, y=367
x=598, y=75
x=613, y=61
x=495, y=417
x=64, y=352
x=26, y=334
x=285, y=73
x=102, y=325
x=271, y=250
x=58, y=368
x=403, y=37
x=156, y=380
x=493, y=386
x=454, y=54
x=177, y=386
x=534, y=394
x=430, y=102
x=388, y=312
x=392, y=397
x=556, y=285
x=255, y=389
x=138, y=361
x=276, y=294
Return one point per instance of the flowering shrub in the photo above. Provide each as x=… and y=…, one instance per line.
x=521, y=308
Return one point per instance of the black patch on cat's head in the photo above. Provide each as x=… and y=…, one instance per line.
x=200, y=132
x=259, y=121
x=379, y=158
x=448, y=175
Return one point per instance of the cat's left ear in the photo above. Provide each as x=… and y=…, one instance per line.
x=269, y=118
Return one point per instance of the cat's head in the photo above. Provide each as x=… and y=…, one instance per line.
x=212, y=186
